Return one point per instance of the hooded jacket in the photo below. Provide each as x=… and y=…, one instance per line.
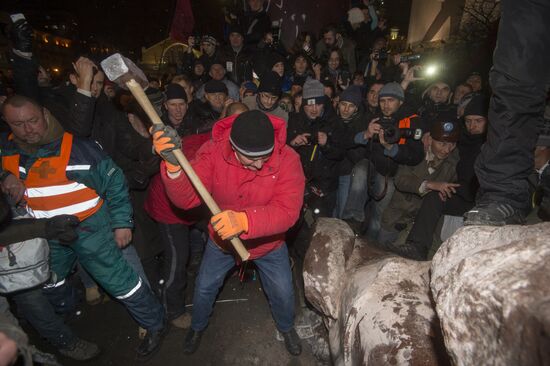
x=271, y=197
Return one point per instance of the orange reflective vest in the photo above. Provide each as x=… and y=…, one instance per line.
x=405, y=123
x=49, y=192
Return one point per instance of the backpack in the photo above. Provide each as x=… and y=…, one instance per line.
x=24, y=265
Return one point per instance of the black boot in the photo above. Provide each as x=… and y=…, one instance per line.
x=150, y=344
x=192, y=341
x=292, y=342
x=357, y=226
x=408, y=250
x=493, y=214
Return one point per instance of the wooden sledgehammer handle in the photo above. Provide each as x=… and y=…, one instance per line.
x=139, y=94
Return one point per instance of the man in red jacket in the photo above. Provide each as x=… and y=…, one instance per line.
x=258, y=182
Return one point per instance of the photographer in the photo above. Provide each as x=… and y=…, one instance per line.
x=372, y=64
x=389, y=144
x=208, y=53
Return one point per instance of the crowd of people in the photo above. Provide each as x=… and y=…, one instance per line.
x=333, y=127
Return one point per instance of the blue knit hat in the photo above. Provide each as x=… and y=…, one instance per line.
x=352, y=94
x=392, y=89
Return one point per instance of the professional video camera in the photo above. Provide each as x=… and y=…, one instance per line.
x=392, y=132
x=383, y=54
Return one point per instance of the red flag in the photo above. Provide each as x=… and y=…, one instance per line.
x=183, y=21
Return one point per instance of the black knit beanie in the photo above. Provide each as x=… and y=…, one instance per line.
x=478, y=106
x=271, y=83
x=175, y=91
x=252, y=134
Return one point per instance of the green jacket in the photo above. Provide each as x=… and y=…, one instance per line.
x=96, y=170
x=407, y=199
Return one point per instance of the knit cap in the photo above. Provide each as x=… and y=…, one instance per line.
x=252, y=134
x=392, y=89
x=313, y=92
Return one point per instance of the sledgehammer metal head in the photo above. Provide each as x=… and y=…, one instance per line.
x=120, y=70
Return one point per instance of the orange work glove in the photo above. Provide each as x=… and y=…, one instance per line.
x=229, y=224
x=165, y=141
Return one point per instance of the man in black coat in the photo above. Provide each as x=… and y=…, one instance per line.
x=236, y=57
x=315, y=134
x=352, y=119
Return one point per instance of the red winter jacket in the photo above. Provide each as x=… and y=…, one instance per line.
x=272, y=197
x=157, y=203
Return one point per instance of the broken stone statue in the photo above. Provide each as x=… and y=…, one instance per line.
x=376, y=306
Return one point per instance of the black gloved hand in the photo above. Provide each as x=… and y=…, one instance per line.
x=22, y=36
x=62, y=228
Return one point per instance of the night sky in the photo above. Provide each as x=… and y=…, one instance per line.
x=126, y=24
x=131, y=24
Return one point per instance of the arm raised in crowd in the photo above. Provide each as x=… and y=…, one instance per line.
x=74, y=109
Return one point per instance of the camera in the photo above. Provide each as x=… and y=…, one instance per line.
x=410, y=58
x=383, y=54
x=392, y=132
x=345, y=76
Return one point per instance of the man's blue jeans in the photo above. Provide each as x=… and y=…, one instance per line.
x=35, y=308
x=275, y=274
x=359, y=195
x=342, y=195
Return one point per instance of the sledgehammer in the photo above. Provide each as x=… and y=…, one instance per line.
x=125, y=73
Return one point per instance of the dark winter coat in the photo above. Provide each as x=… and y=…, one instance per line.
x=238, y=65
x=410, y=153
x=320, y=164
x=469, y=147
x=353, y=152
x=201, y=118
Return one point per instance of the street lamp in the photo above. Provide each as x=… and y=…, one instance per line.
x=394, y=33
